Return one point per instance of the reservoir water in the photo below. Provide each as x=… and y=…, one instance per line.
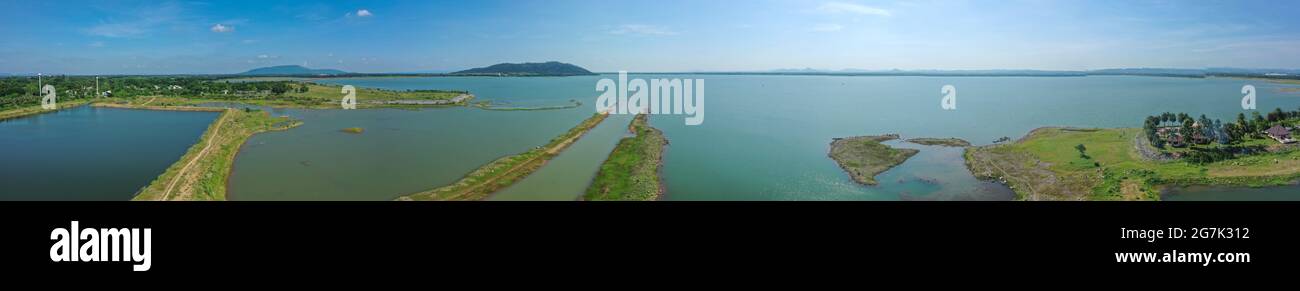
x=763, y=138
x=403, y=151
x=91, y=153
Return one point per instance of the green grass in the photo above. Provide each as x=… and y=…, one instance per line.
x=1115, y=171
x=333, y=94
x=505, y=171
x=631, y=172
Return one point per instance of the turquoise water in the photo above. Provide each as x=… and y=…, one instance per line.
x=766, y=137
x=91, y=153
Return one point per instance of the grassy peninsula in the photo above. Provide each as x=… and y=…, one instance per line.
x=1049, y=164
x=505, y=171
x=632, y=170
x=863, y=157
x=201, y=174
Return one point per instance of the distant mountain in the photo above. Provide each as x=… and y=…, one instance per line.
x=1250, y=71
x=528, y=69
x=433, y=71
x=1151, y=72
x=291, y=70
x=897, y=72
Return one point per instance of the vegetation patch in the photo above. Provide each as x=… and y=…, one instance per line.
x=949, y=142
x=1104, y=164
x=631, y=172
x=863, y=157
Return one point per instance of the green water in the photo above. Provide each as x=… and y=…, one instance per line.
x=401, y=151
x=566, y=177
x=91, y=153
x=763, y=138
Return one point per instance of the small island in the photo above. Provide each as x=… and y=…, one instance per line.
x=863, y=157
x=948, y=142
x=354, y=130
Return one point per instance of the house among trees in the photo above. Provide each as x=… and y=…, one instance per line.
x=1280, y=133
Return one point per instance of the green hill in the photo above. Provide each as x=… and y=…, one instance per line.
x=291, y=70
x=528, y=69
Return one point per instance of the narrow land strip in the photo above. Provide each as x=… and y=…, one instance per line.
x=505, y=171
x=631, y=173
x=201, y=174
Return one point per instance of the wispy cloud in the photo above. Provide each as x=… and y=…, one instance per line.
x=827, y=27
x=142, y=21
x=852, y=8
x=642, y=29
x=219, y=28
x=364, y=13
x=97, y=44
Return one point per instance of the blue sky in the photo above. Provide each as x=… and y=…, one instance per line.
x=166, y=37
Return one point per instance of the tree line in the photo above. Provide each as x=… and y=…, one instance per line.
x=24, y=91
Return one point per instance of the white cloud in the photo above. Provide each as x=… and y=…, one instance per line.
x=827, y=27
x=851, y=8
x=364, y=13
x=222, y=28
x=642, y=30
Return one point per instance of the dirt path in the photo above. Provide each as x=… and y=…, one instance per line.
x=216, y=133
x=150, y=101
x=1032, y=193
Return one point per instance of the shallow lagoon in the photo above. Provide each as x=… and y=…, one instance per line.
x=401, y=151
